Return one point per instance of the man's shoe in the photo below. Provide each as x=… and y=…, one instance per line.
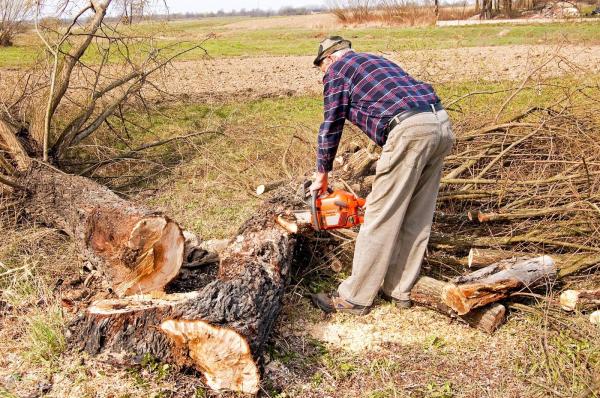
x=401, y=304
x=329, y=303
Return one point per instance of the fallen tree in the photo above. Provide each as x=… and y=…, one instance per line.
x=46, y=125
x=219, y=328
x=137, y=250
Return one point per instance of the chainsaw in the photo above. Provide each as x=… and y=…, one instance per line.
x=333, y=210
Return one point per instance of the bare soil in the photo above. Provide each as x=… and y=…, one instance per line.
x=256, y=77
x=236, y=79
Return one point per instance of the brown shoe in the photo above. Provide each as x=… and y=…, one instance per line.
x=400, y=304
x=329, y=303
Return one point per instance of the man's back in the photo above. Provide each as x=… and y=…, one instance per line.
x=369, y=91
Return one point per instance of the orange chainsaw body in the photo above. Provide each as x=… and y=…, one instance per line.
x=338, y=209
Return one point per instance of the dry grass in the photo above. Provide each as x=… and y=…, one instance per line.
x=207, y=184
x=397, y=12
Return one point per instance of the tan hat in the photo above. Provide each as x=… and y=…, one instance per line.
x=329, y=46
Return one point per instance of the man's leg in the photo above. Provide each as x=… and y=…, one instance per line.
x=398, y=171
x=416, y=226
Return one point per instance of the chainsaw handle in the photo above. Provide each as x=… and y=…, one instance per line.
x=314, y=212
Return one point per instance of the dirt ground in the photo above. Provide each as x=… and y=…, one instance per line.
x=226, y=79
x=256, y=77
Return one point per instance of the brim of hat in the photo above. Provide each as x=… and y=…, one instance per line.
x=339, y=46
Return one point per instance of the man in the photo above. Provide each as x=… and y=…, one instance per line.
x=405, y=117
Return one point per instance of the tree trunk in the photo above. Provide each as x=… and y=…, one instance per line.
x=138, y=250
x=219, y=329
x=496, y=282
x=571, y=300
x=428, y=292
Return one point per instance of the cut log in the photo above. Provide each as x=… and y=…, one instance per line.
x=571, y=300
x=136, y=249
x=269, y=186
x=482, y=257
x=496, y=282
x=595, y=318
x=219, y=329
x=566, y=263
x=427, y=292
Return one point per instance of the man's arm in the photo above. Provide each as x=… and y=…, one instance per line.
x=336, y=93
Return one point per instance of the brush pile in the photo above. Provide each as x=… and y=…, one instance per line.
x=519, y=202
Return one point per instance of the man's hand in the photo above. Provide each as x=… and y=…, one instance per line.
x=319, y=184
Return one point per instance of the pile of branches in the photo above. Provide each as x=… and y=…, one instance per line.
x=528, y=185
x=518, y=210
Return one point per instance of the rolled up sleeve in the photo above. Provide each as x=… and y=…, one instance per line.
x=336, y=93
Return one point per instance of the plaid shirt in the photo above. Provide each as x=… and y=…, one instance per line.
x=369, y=91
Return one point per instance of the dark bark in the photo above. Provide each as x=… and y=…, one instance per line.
x=220, y=328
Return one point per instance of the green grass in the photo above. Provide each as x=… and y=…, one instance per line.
x=45, y=339
x=297, y=41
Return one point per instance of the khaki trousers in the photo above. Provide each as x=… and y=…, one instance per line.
x=399, y=211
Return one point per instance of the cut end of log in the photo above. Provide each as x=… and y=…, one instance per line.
x=472, y=253
x=568, y=300
x=455, y=299
x=221, y=354
x=595, y=318
x=288, y=225
x=158, y=244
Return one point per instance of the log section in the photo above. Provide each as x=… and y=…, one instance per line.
x=136, y=249
x=571, y=300
x=427, y=292
x=496, y=282
x=219, y=329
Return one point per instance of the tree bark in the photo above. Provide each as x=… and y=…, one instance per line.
x=9, y=140
x=482, y=257
x=496, y=282
x=571, y=300
x=219, y=329
x=138, y=250
x=428, y=292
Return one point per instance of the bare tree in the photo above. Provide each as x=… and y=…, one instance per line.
x=12, y=15
x=94, y=74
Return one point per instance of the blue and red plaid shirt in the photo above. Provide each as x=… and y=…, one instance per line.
x=368, y=91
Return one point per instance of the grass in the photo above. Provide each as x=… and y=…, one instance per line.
x=45, y=338
x=299, y=41
x=209, y=190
